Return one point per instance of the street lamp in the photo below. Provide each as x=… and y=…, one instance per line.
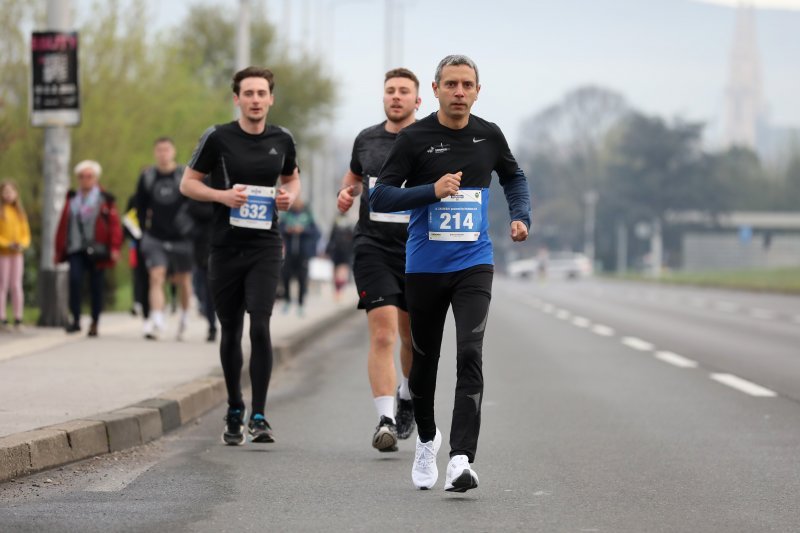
x=589, y=201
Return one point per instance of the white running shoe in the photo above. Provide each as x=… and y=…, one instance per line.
x=424, y=472
x=149, y=330
x=182, y=327
x=460, y=477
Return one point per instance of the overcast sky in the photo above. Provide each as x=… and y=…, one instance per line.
x=668, y=57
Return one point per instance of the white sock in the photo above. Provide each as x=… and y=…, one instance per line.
x=404, y=392
x=184, y=317
x=385, y=406
x=158, y=318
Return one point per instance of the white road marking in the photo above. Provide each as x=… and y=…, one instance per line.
x=675, y=359
x=727, y=307
x=603, y=331
x=581, y=322
x=563, y=314
x=548, y=308
x=742, y=385
x=762, y=314
x=637, y=344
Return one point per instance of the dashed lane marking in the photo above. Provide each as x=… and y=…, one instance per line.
x=637, y=344
x=603, y=331
x=742, y=385
x=675, y=359
x=563, y=314
x=581, y=322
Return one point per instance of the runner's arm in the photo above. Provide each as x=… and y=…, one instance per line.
x=515, y=189
x=388, y=196
x=192, y=186
x=351, y=187
x=288, y=191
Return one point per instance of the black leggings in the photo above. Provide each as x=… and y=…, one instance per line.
x=230, y=351
x=295, y=266
x=79, y=265
x=429, y=296
x=245, y=280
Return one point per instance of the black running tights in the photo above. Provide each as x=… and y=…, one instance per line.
x=230, y=350
x=429, y=296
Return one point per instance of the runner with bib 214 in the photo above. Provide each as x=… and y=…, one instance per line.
x=446, y=161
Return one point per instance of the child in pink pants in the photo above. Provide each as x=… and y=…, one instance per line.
x=15, y=237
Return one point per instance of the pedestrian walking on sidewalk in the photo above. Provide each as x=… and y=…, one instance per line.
x=89, y=238
x=340, y=251
x=300, y=236
x=379, y=265
x=203, y=215
x=253, y=174
x=446, y=162
x=15, y=238
x=166, y=236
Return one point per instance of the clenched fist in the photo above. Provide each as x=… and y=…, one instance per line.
x=447, y=185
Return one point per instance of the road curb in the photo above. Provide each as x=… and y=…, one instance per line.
x=32, y=451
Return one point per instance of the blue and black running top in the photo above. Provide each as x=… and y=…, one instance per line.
x=451, y=234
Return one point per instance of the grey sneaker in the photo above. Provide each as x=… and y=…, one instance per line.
x=404, y=418
x=385, y=437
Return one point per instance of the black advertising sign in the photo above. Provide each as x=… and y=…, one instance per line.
x=54, y=99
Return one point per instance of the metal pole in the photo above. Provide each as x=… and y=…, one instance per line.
x=656, y=248
x=622, y=247
x=590, y=199
x=388, y=34
x=242, y=42
x=243, y=36
x=52, y=279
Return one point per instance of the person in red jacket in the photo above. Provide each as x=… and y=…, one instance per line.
x=89, y=238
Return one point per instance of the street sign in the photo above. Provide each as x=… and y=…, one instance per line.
x=54, y=96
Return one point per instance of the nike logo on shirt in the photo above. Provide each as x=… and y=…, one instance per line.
x=477, y=140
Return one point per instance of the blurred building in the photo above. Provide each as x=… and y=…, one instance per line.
x=747, y=123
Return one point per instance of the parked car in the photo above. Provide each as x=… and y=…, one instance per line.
x=569, y=265
x=558, y=265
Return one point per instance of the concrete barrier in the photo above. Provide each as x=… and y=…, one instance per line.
x=86, y=438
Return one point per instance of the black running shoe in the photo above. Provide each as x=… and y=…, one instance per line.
x=385, y=437
x=404, y=418
x=234, y=427
x=259, y=429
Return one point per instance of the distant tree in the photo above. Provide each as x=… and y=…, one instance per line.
x=653, y=167
x=138, y=84
x=562, y=151
x=791, y=196
x=303, y=95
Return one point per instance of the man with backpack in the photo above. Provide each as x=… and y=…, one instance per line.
x=166, y=241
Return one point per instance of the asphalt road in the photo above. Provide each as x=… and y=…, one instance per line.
x=608, y=407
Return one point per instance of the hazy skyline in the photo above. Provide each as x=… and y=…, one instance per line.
x=667, y=57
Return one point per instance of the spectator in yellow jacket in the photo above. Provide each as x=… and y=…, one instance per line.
x=15, y=237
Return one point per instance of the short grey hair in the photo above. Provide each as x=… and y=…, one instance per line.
x=94, y=166
x=454, y=61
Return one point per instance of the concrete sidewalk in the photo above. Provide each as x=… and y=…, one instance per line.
x=65, y=398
